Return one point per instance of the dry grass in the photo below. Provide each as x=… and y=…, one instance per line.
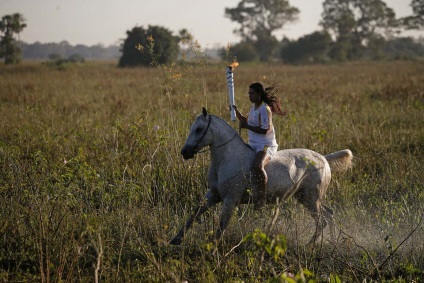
x=85, y=169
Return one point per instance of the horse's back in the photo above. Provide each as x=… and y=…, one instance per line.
x=297, y=153
x=289, y=166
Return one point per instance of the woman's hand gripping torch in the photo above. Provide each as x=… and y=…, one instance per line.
x=230, y=84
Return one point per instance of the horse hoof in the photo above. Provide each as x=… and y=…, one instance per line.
x=175, y=242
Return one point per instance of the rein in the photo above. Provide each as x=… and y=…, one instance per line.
x=219, y=145
x=206, y=131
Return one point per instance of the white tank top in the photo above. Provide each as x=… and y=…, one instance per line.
x=261, y=117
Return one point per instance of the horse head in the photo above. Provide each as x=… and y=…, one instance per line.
x=199, y=135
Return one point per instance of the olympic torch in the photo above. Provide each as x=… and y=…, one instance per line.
x=230, y=84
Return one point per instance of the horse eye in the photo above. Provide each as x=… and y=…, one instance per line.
x=198, y=130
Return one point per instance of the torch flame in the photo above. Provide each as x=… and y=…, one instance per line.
x=234, y=65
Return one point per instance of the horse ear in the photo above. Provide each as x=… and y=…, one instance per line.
x=204, y=111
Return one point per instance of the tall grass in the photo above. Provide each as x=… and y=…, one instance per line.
x=92, y=185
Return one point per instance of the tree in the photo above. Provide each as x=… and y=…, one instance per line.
x=403, y=48
x=416, y=20
x=243, y=52
x=156, y=45
x=9, y=25
x=311, y=48
x=76, y=58
x=354, y=23
x=259, y=19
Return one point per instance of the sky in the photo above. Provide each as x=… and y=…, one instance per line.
x=106, y=22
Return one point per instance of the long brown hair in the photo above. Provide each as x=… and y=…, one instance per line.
x=268, y=96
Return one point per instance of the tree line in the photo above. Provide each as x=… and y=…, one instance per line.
x=349, y=30
x=64, y=50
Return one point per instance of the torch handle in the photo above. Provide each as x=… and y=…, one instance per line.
x=230, y=85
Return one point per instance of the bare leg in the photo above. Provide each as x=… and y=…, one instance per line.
x=260, y=178
x=199, y=211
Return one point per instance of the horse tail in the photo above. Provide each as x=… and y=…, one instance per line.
x=340, y=160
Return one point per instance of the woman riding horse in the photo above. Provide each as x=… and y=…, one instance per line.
x=261, y=133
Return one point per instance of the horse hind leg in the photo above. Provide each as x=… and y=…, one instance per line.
x=322, y=215
x=320, y=224
x=316, y=211
x=329, y=216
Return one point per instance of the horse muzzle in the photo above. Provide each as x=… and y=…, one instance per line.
x=188, y=152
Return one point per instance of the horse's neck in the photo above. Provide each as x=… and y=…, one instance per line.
x=222, y=131
x=228, y=147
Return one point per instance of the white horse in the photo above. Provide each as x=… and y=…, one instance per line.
x=302, y=173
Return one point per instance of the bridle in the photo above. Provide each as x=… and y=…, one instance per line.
x=204, y=134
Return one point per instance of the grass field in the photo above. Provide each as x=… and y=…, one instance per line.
x=92, y=185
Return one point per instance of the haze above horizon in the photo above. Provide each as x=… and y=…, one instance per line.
x=106, y=22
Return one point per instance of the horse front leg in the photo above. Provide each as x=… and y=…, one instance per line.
x=210, y=201
x=228, y=207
